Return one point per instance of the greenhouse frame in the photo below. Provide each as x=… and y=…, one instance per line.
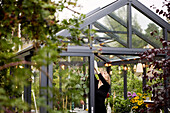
x=109, y=35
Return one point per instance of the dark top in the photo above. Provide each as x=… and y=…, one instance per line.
x=100, y=94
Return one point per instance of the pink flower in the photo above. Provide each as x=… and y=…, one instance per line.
x=129, y=94
x=134, y=95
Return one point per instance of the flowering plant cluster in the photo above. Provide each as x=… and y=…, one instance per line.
x=137, y=102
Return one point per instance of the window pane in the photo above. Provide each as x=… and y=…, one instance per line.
x=146, y=28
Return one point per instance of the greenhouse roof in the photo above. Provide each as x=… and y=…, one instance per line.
x=120, y=31
x=117, y=31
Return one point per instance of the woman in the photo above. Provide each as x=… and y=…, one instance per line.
x=102, y=87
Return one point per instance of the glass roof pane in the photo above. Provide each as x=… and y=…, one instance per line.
x=111, y=30
x=113, y=58
x=138, y=42
x=144, y=26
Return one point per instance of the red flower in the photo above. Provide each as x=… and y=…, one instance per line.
x=107, y=95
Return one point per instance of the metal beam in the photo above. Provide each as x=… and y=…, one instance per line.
x=165, y=34
x=96, y=15
x=125, y=81
x=27, y=89
x=129, y=25
x=109, y=31
x=45, y=84
x=144, y=78
x=151, y=15
x=140, y=35
x=72, y=63
x=114, y=36
x=89, y=34
x=92, y=84
x=86, y=51
x=65, y=53
x=50, y=85
x=101, y=64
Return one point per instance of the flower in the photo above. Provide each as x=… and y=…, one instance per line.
x=139, y=94
x=144, y=97
x=134, y=95
x=140, y=102
x=146, y=105
x=107, y=95
x=132, y=100
x=129, y=95
x=137, y=102
x=135, y=107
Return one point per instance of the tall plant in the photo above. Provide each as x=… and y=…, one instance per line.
x=160, y=87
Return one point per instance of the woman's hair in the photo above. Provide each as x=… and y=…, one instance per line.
x=105, y=75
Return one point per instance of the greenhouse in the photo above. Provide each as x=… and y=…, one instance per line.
x=121, y=37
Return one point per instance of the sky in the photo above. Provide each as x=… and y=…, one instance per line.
x=89, y=5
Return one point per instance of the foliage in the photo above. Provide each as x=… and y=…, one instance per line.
x=160, y=79
x=77, y=86
x=110, y=100
x=163, y=12
x=160, y=66
x=30, y=21
x=133, y=82
x=121, y=105
x=152, y=27
x=74, y=87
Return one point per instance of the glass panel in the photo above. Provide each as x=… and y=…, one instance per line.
x=114, y=58
x=122, y=13
x=112, y=29
x=144, y=26
x=138, y=42
x=111, y=57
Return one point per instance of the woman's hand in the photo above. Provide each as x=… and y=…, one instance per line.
x=96, y=67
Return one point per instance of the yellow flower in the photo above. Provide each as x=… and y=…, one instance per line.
x=144, y=97
x=145, y=94
x=139, y=94
x=132, y=100
x=146, y=105
x=136, y=98
x=140, y=102
x=135, y=107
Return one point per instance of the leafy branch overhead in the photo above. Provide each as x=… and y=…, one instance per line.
x=33, y=22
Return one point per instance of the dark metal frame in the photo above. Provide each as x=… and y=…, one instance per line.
x=90, y=55
x=27, y=89
x=89, y=52
x=46, y=76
